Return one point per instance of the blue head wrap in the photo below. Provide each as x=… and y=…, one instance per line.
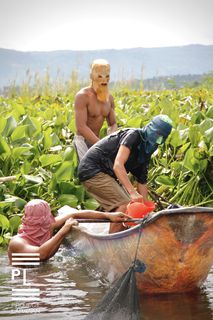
x=156, y=132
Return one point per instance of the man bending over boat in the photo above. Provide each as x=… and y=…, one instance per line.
x=104, y=168
x=36, y=232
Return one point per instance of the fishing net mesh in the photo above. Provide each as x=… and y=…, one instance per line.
x=121, y=302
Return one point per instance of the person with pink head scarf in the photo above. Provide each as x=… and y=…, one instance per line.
x=35, y=234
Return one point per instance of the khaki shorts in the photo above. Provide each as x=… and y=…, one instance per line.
x=106, y=191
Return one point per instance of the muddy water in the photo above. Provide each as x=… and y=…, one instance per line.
x=69, y=288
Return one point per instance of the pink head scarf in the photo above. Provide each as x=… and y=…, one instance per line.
x=36, y=223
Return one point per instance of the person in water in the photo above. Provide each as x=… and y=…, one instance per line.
x=35, y=234
x=104, y=168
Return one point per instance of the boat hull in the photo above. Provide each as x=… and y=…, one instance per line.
x=176, y=247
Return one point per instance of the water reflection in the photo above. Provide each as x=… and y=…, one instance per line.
x=190, y=306
x=70, y=288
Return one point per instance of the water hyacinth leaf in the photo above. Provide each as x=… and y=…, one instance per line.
x=21, y=151
x=68, y=154
x=187, y=160
x=56, y=148
x=49, y=159
x=60, y=120
x=209, y=113
x=4, y=223
x=79, y=193
x=20, y=203
x=33, y=179
x=31, y=127
x=19, y=133
x=2, y=124
x=10, y=126
x=197, y=117
x=134, y=122
x=25, y=168
x=19, y=110
x=183, y=148
x=194, y=135
x=4, y=147
x=55, y=139
x=32, y=190
x=66, y=187
x=122, y=116
x=10, y=198
x=202, y=165
x=14, y=223
x=209, y=135
x=68, y=199
x=165, y=180
x=64, y=172
x=175, y=139
x=91, y=204
x=190, y=162
x=176, y=166
x=4, y=204
x=205, y=125
x=47, y=140
x=71, y=125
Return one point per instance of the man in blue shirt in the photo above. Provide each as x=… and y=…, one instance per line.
x=104, y=168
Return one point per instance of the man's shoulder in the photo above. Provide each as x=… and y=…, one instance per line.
x=86, y=91
x=17, y=240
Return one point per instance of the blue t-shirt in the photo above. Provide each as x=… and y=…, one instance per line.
x=101, y=156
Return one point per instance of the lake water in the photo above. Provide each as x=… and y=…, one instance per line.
x=69, y=288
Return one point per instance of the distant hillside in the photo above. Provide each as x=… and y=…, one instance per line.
x=136, y=63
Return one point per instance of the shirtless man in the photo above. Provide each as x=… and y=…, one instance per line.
x=93, y=105
x=35, y=234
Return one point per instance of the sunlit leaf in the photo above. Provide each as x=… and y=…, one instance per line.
x=49, y=159
x=11, y=124
x=33, y=179
x=14, y=223
x=4, y=222
x=4, y=147
x=19, y=133
x=2, y=123
x=68, y=199
x=64, y=172
x=91, y=204
x=165, y=180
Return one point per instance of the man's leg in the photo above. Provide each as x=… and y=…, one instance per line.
x=110, y=195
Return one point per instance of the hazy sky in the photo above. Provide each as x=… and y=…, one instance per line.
x=96, y=24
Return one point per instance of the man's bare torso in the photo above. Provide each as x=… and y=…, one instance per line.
x=96, y=110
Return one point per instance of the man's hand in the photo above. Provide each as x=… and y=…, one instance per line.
x=135, y=196
x=68, y=225
x=116, y=216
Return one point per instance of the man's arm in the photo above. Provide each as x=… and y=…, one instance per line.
x=111, y=119
x=143, y=190
x=81, y=119
x=120, y=171
x=47, y=249
x=87, y=214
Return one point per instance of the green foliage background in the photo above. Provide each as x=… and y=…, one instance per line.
x=36, y=135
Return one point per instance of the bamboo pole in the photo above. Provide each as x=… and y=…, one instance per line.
x=5, y=179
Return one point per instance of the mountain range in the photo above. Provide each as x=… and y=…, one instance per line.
x=126, y=64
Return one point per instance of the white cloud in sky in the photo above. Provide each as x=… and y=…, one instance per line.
x=96, y=24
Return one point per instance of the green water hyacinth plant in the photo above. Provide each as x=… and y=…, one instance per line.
x=36, y=134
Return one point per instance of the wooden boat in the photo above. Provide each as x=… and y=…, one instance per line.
x=176, y=247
